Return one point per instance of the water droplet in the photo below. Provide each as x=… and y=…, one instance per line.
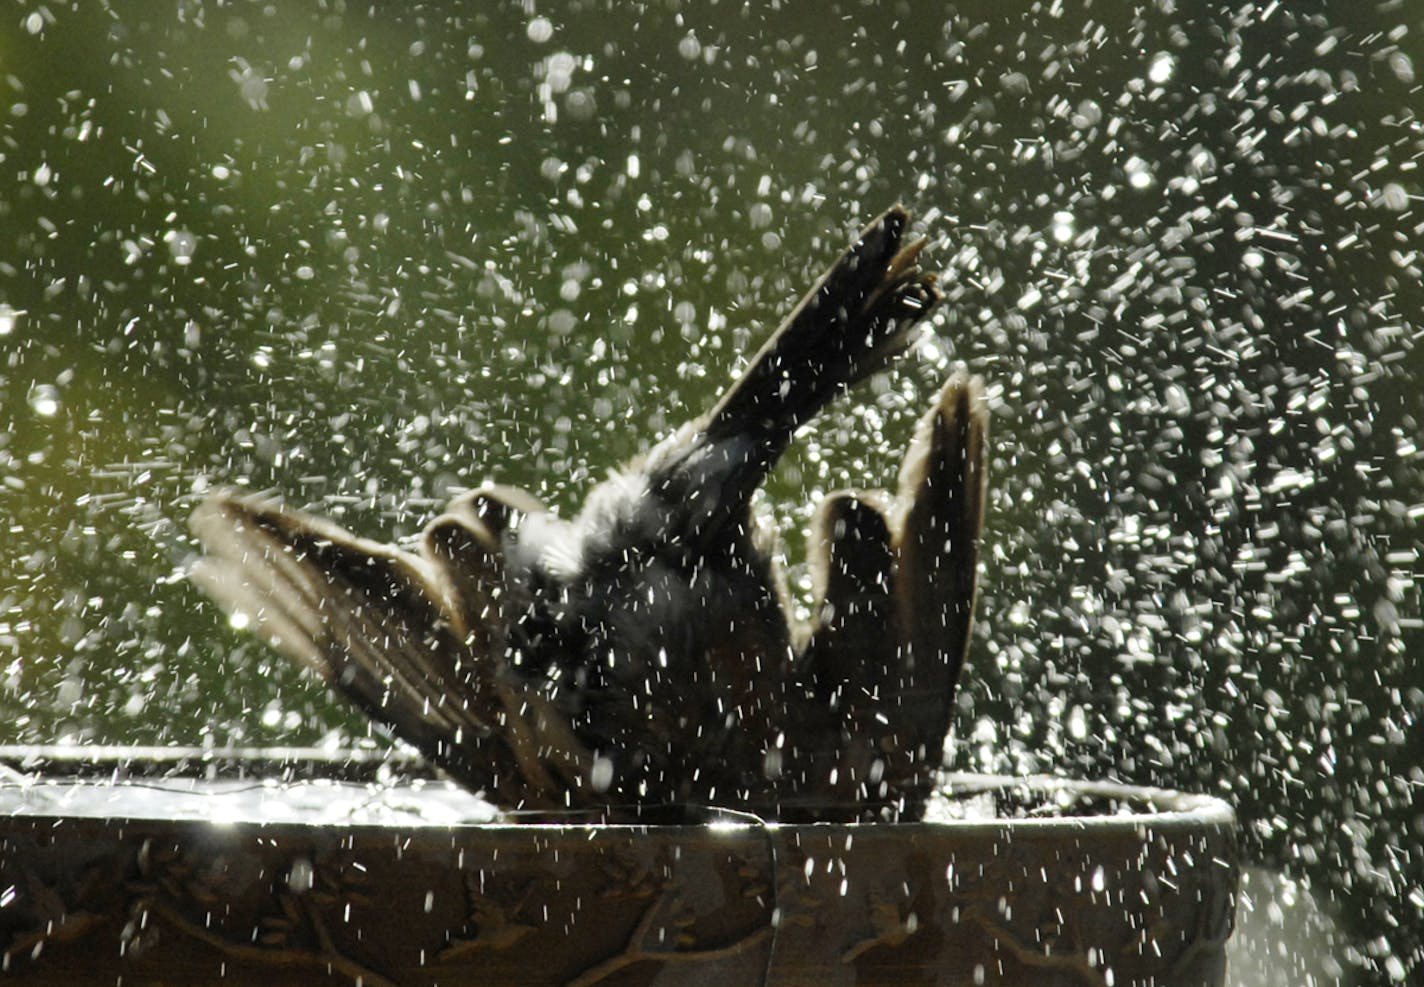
x=1161, y=68
x=1139, y=175
x=600, y=776
x=182, y=244
x=44, y=400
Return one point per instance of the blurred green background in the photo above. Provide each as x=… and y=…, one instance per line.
x=367, y=255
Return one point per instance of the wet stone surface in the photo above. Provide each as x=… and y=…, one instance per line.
x=321, y=879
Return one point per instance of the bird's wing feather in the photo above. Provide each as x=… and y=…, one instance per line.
x=937, y=532
x=388, y=629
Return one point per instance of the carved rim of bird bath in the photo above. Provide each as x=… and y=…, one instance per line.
x=289, y=866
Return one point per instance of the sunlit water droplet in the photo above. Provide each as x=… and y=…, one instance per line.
x=559, y=71
x=1139, y=175
x=44, y=400
x=580, y=105
x=1393, y=196
x=302, y=875
x=1161, y=68
x=182, y=245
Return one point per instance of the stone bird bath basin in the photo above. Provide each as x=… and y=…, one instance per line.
x=293, y=867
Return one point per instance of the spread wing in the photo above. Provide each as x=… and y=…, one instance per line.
x=895, y=593
x=412, y=639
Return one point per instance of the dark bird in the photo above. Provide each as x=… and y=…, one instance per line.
x=641, y=660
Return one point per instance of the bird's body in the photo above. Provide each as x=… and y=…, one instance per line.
x=641, y=654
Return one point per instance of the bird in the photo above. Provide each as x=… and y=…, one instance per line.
x=642, y=661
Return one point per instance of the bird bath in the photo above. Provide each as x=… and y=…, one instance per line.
x=298, y=867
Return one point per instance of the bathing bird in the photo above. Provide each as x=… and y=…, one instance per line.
x=641, y=661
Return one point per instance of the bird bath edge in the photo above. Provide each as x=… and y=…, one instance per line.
x=299, y=867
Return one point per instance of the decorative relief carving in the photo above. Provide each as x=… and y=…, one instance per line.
x=186, y=892
x=666, y=933
x=671, y=929
x=1064, y=953
x=46, y=911
x=891, y=924
x=498, y=917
